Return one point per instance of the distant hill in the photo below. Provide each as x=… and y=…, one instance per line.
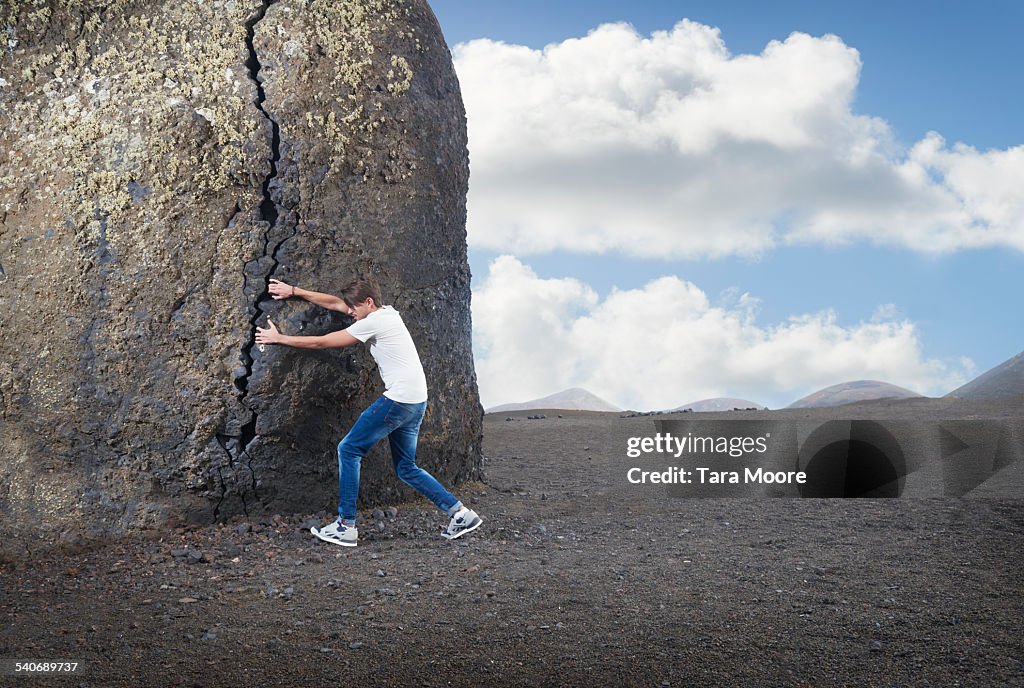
x=575, y=399
x=849, y=392
x=718, y=404
x=1005, y=380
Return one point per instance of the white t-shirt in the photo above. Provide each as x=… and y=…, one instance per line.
x=392, y=348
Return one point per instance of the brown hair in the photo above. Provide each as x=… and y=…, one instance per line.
x=360, y=289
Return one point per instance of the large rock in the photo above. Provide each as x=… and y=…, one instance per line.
x=159, y=161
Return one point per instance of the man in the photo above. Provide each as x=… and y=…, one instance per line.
x=396, y=415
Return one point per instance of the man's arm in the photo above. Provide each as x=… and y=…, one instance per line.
x=331, y=340
x=280, y=290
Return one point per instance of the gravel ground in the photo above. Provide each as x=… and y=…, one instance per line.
x=570, y=581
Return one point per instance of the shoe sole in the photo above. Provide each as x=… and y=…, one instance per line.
x=479, y=522
x=316, y=531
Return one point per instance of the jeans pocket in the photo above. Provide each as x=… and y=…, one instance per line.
x=398, y=415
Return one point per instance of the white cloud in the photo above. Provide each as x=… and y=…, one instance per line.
x=666, y=344
x=669, y=146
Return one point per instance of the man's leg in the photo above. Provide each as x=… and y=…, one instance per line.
x=371, y=427
x=403, y=457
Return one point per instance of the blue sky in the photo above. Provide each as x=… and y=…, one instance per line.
x=930, y=318
x=943, y=65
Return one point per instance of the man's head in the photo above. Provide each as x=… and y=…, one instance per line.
x=362, y=296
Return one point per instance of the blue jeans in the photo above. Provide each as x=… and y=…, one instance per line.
x=400, y=423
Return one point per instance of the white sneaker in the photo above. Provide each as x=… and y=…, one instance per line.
x=337, y=533
x=463, y=522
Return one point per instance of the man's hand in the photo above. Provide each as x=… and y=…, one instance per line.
x=279, y=290
x=331, y=340
x=269, y=335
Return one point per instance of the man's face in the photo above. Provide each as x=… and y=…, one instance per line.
x=361, y=310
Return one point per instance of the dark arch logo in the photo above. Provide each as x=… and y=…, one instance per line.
x=858, y=458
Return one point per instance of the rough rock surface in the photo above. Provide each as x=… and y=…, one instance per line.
x=158, y=163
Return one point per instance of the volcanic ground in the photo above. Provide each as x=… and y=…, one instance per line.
x=573, y=579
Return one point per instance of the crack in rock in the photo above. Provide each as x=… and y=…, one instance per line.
x=255, y=274
x=268, y=208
